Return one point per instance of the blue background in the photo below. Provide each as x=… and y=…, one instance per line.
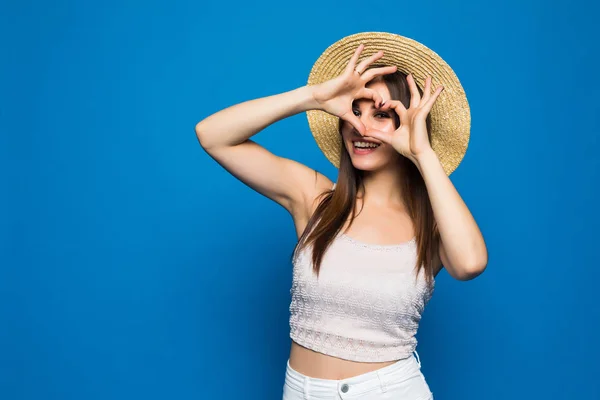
x=133, y=266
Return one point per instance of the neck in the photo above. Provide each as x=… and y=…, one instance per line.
x=384, y=187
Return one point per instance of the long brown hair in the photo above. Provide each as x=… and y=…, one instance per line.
x=335, y=206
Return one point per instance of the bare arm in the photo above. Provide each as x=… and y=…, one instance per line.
x=235, y=124
x=462, y=247
x=226, y=134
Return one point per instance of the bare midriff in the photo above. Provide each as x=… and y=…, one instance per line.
x=318, y=365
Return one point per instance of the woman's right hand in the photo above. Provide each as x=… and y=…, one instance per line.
x=336, y=95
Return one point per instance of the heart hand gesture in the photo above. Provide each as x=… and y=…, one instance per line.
x=411, y=138
x=336, y=95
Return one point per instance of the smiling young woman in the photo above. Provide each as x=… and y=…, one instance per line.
x=369, y=246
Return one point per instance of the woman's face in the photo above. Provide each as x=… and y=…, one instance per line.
x=362, y=153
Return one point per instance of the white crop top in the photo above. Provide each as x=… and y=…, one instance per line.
x=365, y=305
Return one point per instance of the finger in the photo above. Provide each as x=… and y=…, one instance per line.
x=354, y=58
x=426, y=91
x=398, y=108
x=415, y=97
x=372, y=73
x=355, y=122
x=384, y=137
x=433, y=98
x=374, y=95
x=362, y=67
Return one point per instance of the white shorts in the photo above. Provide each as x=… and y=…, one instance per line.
x=402, y=380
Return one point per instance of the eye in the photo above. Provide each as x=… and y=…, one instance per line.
x=356, y=112
x=384, y=115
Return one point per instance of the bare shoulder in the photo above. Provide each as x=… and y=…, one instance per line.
x=289, y=183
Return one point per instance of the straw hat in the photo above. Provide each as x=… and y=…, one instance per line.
x=450, y=115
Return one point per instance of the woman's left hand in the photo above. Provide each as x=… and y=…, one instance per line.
x=411, y=138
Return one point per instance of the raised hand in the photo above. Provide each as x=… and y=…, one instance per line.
x=336, y=95
x=411, y=138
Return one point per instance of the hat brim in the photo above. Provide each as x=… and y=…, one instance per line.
x=450, y=114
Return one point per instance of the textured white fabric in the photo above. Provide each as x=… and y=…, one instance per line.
x=366, y=304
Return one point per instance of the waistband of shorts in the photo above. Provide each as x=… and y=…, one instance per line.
x=363, y=382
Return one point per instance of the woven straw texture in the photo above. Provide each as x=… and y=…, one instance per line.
x=450, y=115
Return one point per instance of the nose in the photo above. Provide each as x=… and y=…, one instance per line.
x=367, y=121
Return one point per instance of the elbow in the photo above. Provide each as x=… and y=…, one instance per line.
x=471, y=270
x=202, y=136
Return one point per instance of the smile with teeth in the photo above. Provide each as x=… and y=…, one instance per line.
x=365, y=145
